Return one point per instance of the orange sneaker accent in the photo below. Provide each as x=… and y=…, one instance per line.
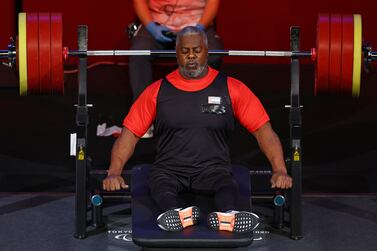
x=175, y=220
x=226, y=222
x=233, y=221
x=186, y=217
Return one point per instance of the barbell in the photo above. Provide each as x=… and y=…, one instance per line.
x=38, y=54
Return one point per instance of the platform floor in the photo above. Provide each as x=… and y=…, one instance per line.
x=45, y=221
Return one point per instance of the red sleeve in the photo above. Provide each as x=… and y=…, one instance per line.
x=143, y=111
x=246, y=106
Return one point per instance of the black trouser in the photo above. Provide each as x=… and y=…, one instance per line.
x=140, y=67
x=165, y=187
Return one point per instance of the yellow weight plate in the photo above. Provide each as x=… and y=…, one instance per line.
x=22, y=53
x=357, y=56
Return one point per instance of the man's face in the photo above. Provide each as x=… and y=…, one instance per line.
x=192, y=56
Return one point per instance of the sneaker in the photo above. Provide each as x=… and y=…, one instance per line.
x=177, y=219
x=233, y=221
x=149, y=133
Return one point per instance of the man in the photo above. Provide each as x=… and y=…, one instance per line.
x=193, y=109
x=161, y=20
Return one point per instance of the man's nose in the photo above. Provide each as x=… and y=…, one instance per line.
x=191, y=54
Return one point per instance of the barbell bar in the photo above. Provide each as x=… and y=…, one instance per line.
x=172, y=52
x=39, y=55
x=9, y=53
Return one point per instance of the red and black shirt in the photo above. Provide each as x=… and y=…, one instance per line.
x=194, y=118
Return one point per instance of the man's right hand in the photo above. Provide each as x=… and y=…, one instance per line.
x=114, y=182
x=157, y=31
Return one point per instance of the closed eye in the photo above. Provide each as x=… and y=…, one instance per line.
x=184, y=50
x=197, y=49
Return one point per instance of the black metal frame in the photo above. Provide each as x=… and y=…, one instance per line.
x=294, y=162
x=82, y=121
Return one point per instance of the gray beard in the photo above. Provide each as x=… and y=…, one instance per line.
x=189, y=74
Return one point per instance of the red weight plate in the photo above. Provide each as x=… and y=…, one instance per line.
x=335, y=59
x=323, y=50
x=57, y=70
x=45, y=53
x=32, y=54
x=347, y=55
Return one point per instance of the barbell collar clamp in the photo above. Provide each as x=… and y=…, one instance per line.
x=87, y=105
x=289, y=106
x=7, y=53
x=372, y=55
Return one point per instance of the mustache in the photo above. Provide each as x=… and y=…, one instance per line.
x=192, y=62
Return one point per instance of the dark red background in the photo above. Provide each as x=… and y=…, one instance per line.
x=243, y=24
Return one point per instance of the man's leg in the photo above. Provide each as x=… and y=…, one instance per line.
x=140, y=67
x=214, y=43
x=164, y=189
x=220, y=183
x=226, y=193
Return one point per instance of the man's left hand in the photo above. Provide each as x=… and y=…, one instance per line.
x=281, y=180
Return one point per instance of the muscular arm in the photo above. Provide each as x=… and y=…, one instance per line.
x=142, y=11
x=210, y=12
x=122, y=151
x=270, y=145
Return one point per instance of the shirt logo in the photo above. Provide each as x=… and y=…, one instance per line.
x=214, y=100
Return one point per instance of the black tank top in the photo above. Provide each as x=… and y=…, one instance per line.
x=193, y=128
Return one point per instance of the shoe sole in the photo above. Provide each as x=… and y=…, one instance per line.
x=175, y=221
x=240, y=222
